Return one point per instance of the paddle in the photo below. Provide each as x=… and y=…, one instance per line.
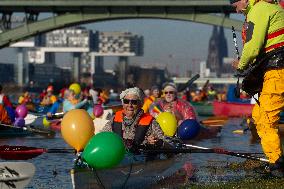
x=182, y=87
x=237, y=88
x=30, y=118
x=231, y=153
x=32, y=129
x=24, y=152
x=199, y=149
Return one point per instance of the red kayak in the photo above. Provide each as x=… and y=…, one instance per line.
x=232, y=109
x=19, y=152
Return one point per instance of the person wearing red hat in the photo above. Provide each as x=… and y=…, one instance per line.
x=49, y=98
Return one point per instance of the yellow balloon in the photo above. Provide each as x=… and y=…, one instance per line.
x=76, y=88
x=77, y=128
x=45, y=122
x=168, y=123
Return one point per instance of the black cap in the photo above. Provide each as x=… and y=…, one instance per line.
x=233, y=1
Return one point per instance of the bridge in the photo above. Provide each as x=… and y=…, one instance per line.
x=65, y=13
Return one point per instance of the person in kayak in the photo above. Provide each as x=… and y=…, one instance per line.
x=132, y=124
x=264, y=40
x=25, y=98
x=155, y=94
x=4, y=116
x=4, y=99
x=70, y=102
x=49, y=98
x=171, y=103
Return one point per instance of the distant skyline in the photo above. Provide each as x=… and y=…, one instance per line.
x=165, y=42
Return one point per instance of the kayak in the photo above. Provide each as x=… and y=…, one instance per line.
x=133, y=172
x=13, y=132
x=232, y=109
x=19, y=152
x=16, y=174
x=203, y=108
x=216, y=121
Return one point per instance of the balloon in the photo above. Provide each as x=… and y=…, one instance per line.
x=77, y=128
x=104, y=150
x=11, y=112
x=19, y=122
x=21, y=111
x=98, y=110
x=168, y=123
x=45, y=122
x=76, y=88
x=188, y=129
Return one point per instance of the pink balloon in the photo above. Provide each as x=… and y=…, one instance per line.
x=21, y=111
x=19, y=122
x=98, y=110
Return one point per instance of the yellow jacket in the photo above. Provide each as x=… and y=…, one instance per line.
x=264, y=31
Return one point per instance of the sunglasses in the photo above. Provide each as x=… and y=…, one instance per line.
x=169, y=92
x=129, y=101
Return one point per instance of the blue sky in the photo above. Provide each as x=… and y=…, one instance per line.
x=182, y=41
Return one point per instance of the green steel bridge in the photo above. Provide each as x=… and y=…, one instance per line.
x=66, y=13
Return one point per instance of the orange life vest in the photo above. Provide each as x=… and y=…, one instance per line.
x=141, y=129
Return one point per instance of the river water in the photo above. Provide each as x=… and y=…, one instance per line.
x=53, y=170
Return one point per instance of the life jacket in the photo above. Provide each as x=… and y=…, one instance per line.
x=151, y=99
x=4, y=117
x=141, y=129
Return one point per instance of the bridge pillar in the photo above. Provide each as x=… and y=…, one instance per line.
x=99, y=65
x=20, y=67
x=123, y=66
x=76, y=66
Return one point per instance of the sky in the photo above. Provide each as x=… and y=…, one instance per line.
x=167, y=43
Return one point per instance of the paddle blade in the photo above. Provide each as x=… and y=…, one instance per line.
x=182, y=87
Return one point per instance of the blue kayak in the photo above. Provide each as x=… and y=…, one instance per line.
x=13, y=132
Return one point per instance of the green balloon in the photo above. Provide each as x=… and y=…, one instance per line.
x=104, y=150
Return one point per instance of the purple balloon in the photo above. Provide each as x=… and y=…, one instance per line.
x=19, y=122
x=21, y=111
x=98, y=110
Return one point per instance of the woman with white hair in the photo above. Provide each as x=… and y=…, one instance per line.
x=132, y=124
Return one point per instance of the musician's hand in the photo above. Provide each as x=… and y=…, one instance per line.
x=235, y=63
